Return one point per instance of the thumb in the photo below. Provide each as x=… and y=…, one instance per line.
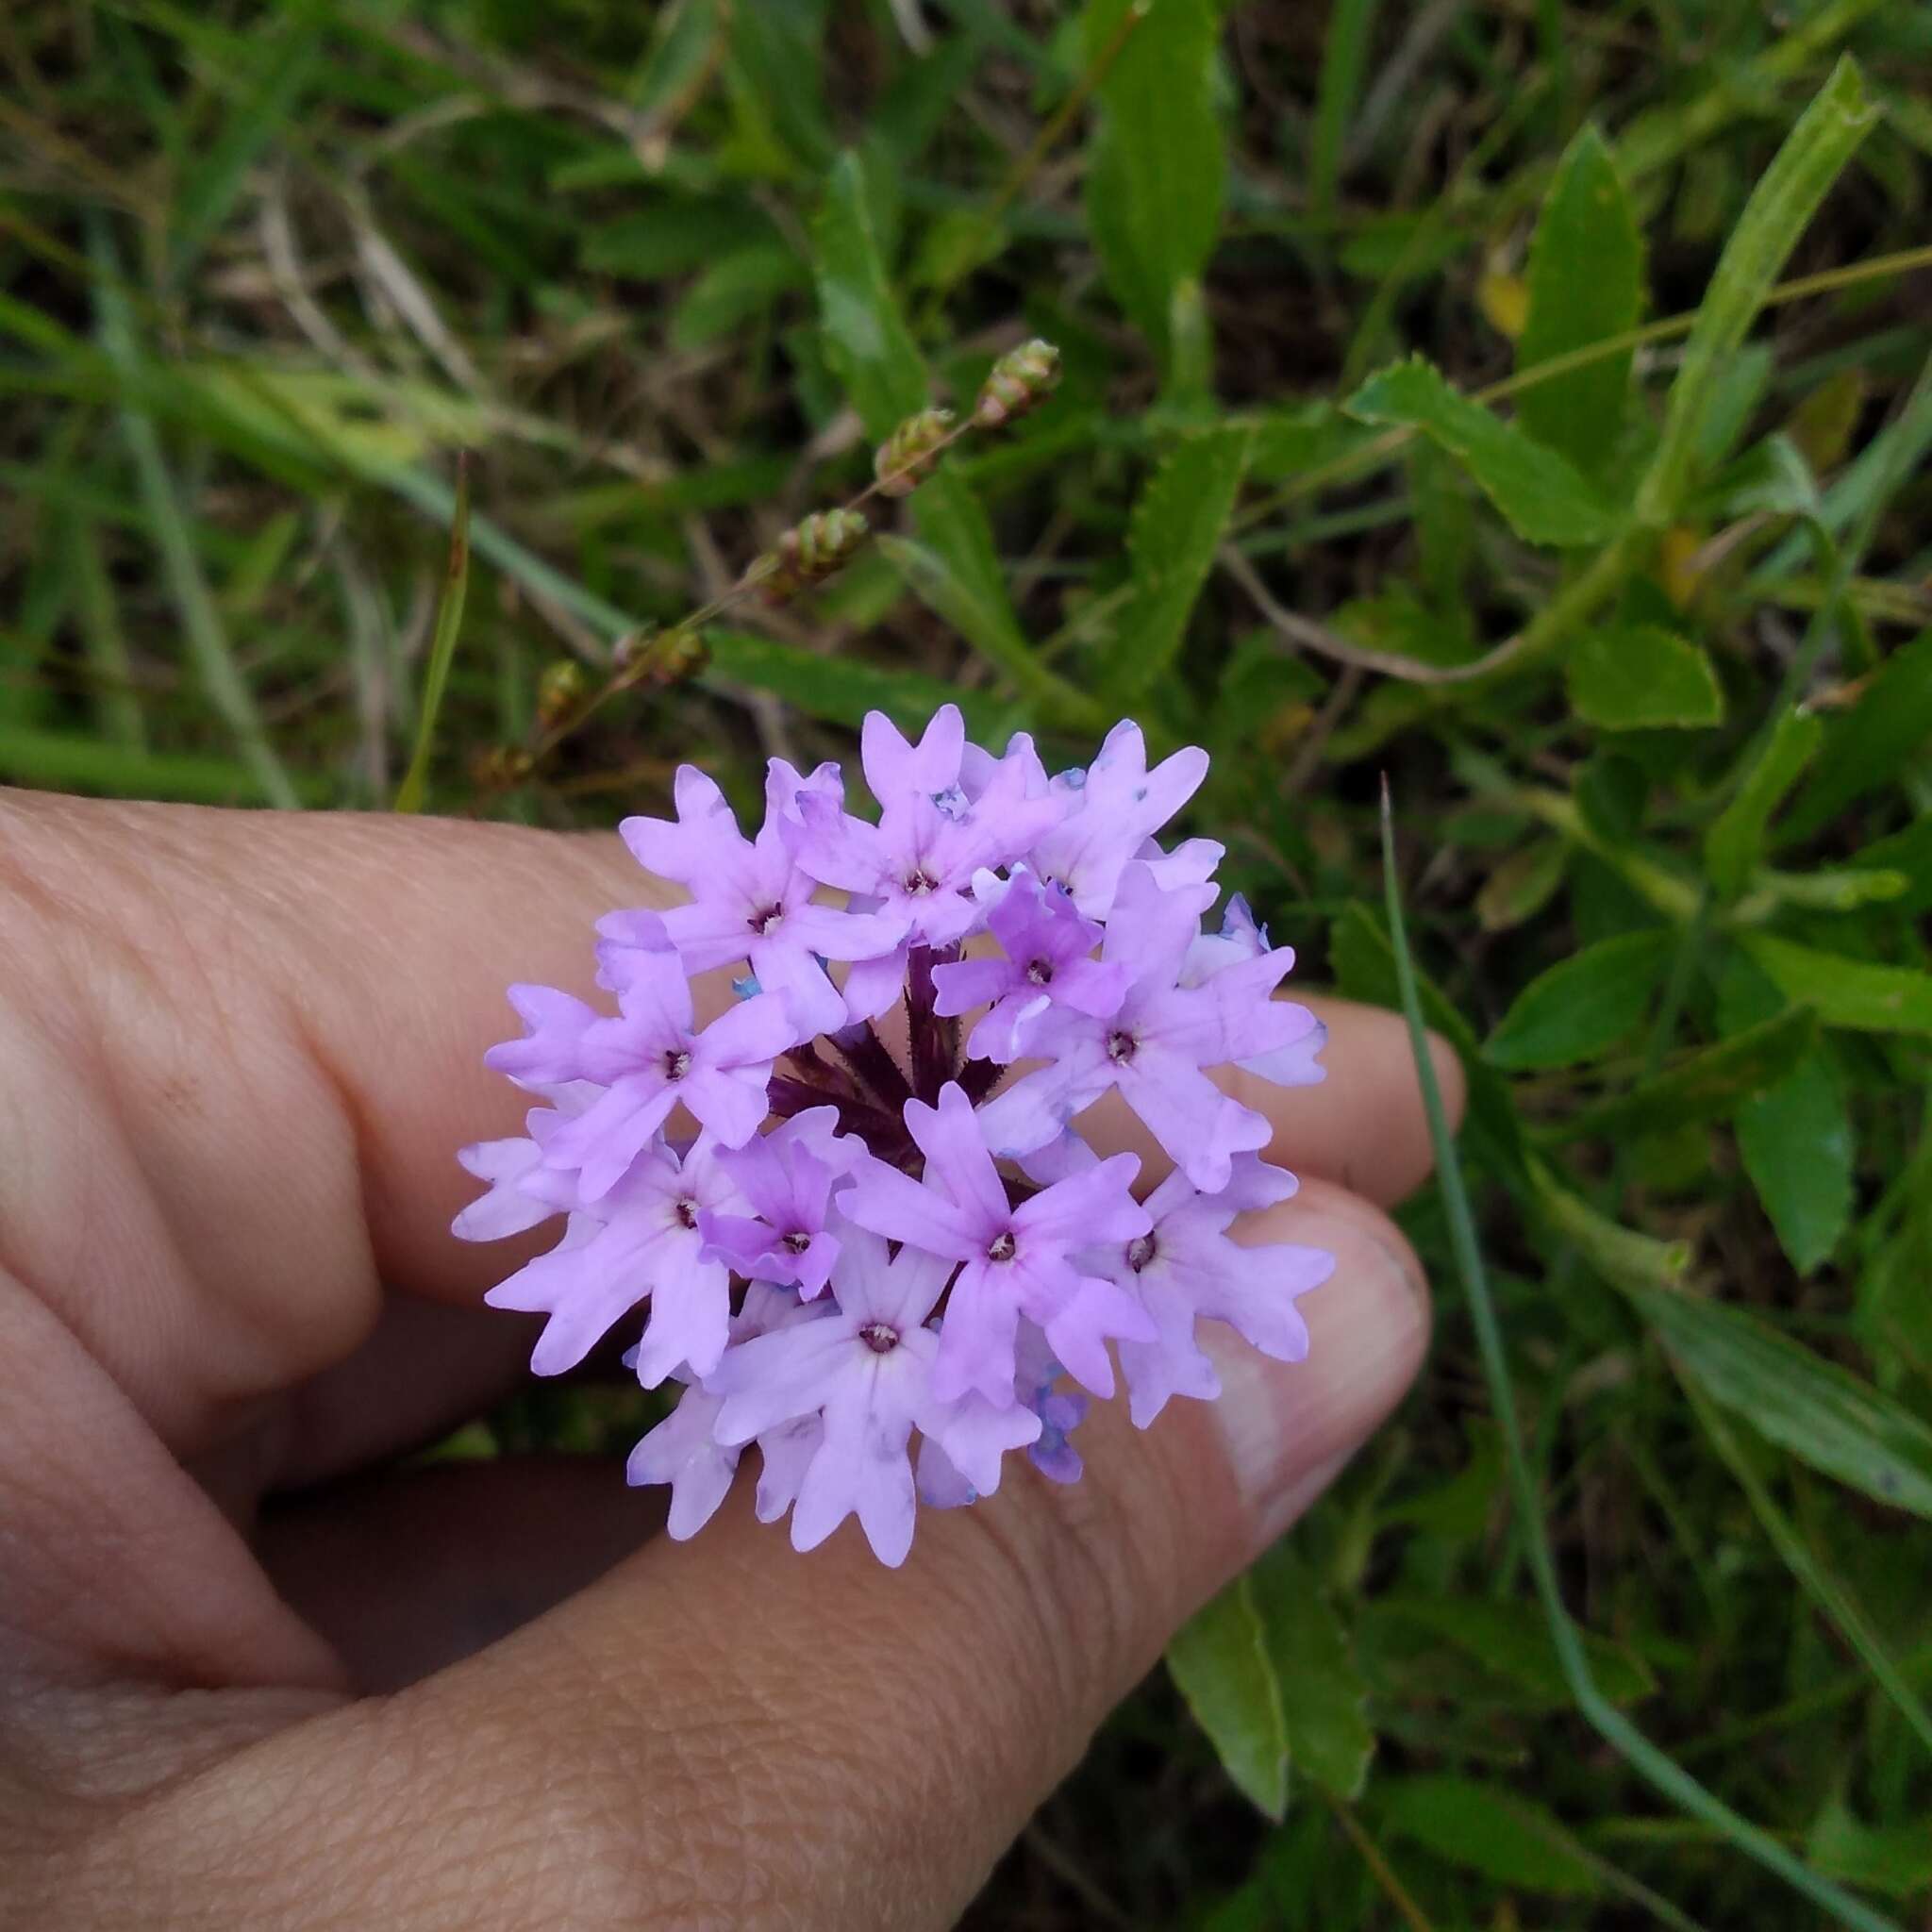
x=724, y=1732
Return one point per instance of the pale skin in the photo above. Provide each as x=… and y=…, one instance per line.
x=237, y=1055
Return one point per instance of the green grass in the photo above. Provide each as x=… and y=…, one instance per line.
x=1532, y=403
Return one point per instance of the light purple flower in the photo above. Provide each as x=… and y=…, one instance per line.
x=1240, y=940
x=865, y=1366
x=640, y=1239
x=1045, y=961
x=1015, y=1259
x=885, y=1283
x=683, y=1450
x=1155, y=1047
x=1186, y=1267
x=787, y=1176
x=1118, y=805
x=652, y=1056
x=749, y=901
x=916, y=865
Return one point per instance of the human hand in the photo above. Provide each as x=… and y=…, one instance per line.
x=237, y=1054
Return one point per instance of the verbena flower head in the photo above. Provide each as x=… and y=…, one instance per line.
x=848, y=1219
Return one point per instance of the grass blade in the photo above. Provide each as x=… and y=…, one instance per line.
x=201, y=624
x=443, y=646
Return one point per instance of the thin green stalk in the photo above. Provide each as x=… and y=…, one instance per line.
x=201, y=624
x=1609, y=1723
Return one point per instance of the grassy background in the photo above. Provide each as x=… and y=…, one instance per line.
x=1641, y=637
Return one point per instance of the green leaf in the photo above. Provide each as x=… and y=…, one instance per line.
x=867, y=341
x=1582, y=1006
x=1852, y=993
x=1823, y=1415
x=443, y=648
x=1522, y=885
x=1511, y=1638
x=1735, y=843
x=1176, y=524
x=734, y=289
x=1895, y=1859
x=1867, y=746
x=1543, y=496
x=1795, y=1137
x=1220, y=1664
x=1586, y=283
x=1639, y=676
x=1908, y=853
x=1619, y=1254
x=1156, y=166
x=1320, y=1696
x=840, y=689
x=1781, y=206
x=1708, y=1085
x=1506, y=1838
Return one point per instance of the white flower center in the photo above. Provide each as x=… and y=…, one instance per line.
x=880, y=1337
x=676, y=1063
x=1001, y=1246
x=1140, y=1251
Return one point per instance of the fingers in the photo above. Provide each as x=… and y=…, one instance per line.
x=723, y=1732
x=287, y=1015
x=406, y=1573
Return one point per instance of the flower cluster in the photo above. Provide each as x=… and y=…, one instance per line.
x=860, y=1205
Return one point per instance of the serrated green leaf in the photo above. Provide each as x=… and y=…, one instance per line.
x=1823, y=1415
x=1156, y=167
x=1322, y=1701
x=1735, y=843
x=1219, y=1663
x=1780, y=208
x=1505, y=1837
x=1641, y=677
x=867, y=342
x=1795, y=1137
x=1582, y=1006
x=1176, y=525
x=1707, y=1085
x=1543, y=496
x=1586, y=283
x=1866, y=746
x=1852, y=993
x=839, y=689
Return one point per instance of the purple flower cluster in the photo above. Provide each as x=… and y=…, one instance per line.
x=850, y=1223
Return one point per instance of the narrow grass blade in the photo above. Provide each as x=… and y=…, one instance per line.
x=443, y=646
x=201, y=624
x=1616, y=1730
